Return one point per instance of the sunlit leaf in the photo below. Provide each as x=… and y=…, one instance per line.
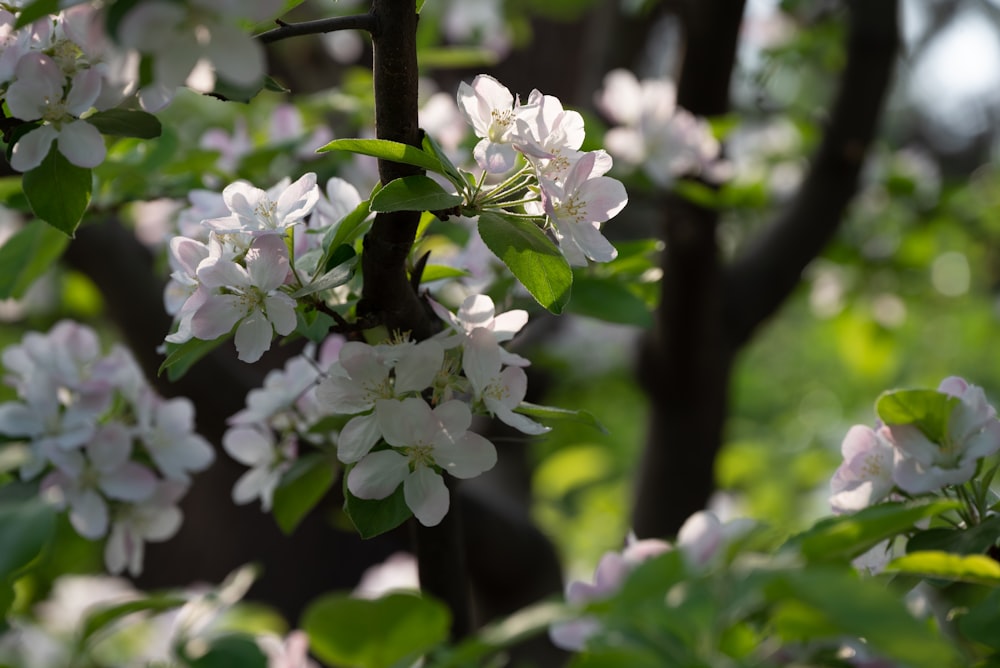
x=27, y=255
x=414, y=193
x=386, y=150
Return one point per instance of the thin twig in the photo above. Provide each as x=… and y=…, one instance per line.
x=284, y=30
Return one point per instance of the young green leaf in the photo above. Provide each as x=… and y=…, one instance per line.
x=927, y=410
x=553, y=413
x=531, y=257
x=451, y=172
x=99, y=617
x=384, y=149
x=182, y=356
x=126, y=123
x=27, y=255
x=379, y=633
x=848, y=536
x=376, y=516
x=26, y=528
x=414, y=193
x=301, y=488
x=36, y=10
x=58, y=191
x=975, y=568
x=609, y=300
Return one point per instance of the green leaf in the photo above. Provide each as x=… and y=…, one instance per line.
x=36, y=10
x=526, y=623
x=983, y=620
x=58, y=191
x=414, y=193
x=26, y=528
x=372, y=517
x=553, y=413
x=182, y=356
x=314, y=325
x=826, y=602
x=126, y=123
x=976, y=568
x=974, y=540
x=384, y=149
x=436, y=272
x=100, y=617
x=375, y=633
x=927, y=410
x=229, y=651
x=452, y=172
x=347, y=230
x=27, y=255
x=848, y=536
x=610, y=301
x=339, y=275
x=531, y=257
x=301, y=488
x=10, y=187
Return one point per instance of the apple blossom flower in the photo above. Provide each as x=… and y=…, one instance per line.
x=268, y=460
x=578, y=206
x=107, y=472
x=154, y=520
x=396, y=573
x=184, y=294
x=193, y=43
x=165, y=427
x=365, y=374
x=609, y=576
x=250, y=296
x=490, y=108
x=665, y=140
x=865, y=476
x=37, y=94
x=266, y=212
x=973, y=432
x=500, y=391
x=478, y=312
x=554, y=136
x=283, y=392
x=423, y=440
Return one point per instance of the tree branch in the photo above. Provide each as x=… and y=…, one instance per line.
x=284, y=30
x=685, y=365
x=760, y=280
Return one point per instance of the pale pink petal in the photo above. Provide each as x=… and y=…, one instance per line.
x=605, y=198
x=248, y=446
x=83, y=93
x=242, y=199
x=592, y=242
x=298, y=200
x=236, y=56
x=358, y=437
x=477, y=311
x=31, y=149
x=481, y=359
x=416, y=370
x=253, y=337
x=131, y=482
x=378, y=474
x=89, y=514
x=221, y=273
x=252, y=485
x=162, y=524
x=427, y=496
x=267, y=262
x=407, y=422
x=467, y=457
x=280, y=310
x=217, y=316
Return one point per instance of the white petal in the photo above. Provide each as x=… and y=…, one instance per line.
x=89, y=514
x=132, y=482
x=467, y=457
x=236, y=56
x=248, y=446
x=427, y=496
x=267, y=262
x=31, y=149
x=357, y=438
x=407, y=422
x=217, y=316
x=281, y=312
x=416, y=370
x=253, y=337
x=378, y=474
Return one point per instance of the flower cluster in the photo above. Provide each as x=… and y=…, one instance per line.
x=242, y=274
x=410, y=421
x=919, y=457
x=655, y=134
x=572, y=191
x=55, y=71
x=701, y=541
x=52, y=72
x=113, y=452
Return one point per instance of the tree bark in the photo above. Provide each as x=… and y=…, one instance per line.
x=709, y=311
